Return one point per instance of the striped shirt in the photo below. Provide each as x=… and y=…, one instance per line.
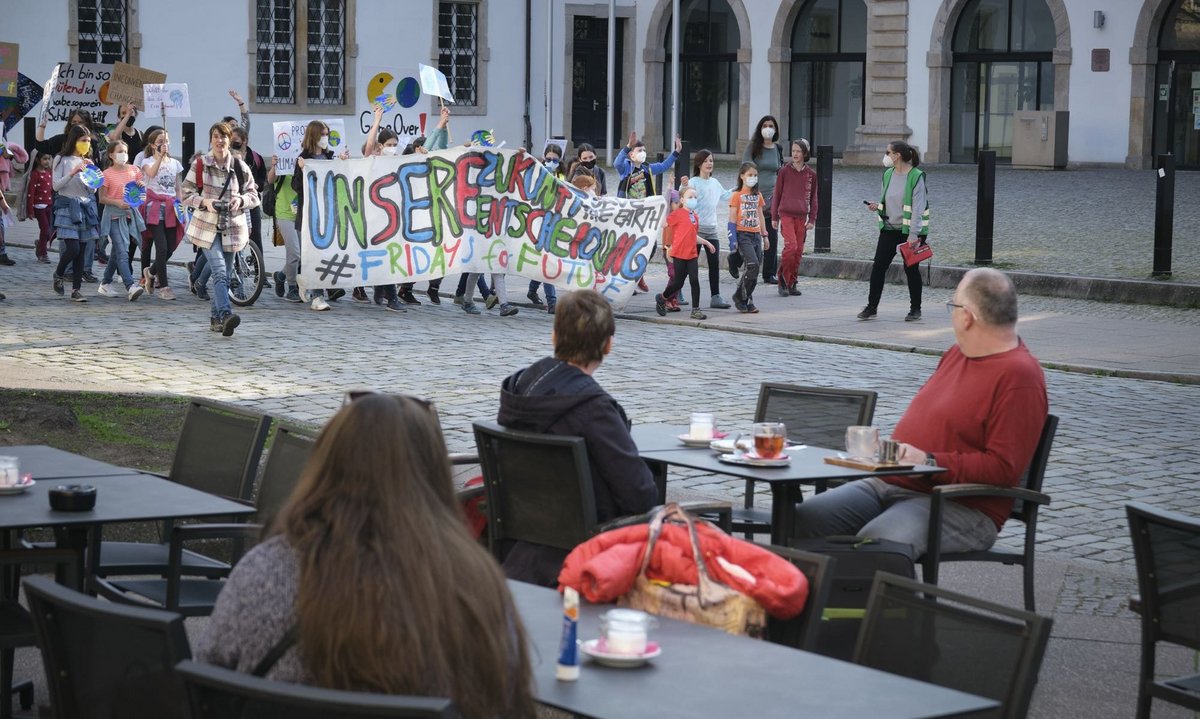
x=115, y=180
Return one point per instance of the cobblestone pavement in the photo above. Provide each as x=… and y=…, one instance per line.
x=1096, y=222
x=1119, y=439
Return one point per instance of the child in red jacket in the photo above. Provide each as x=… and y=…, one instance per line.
x=41, y=182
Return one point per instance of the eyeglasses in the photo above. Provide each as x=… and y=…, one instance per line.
x=356, y=394
x=951, y=304
x=236, y=146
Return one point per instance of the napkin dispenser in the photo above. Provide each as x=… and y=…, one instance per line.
x=73, y=498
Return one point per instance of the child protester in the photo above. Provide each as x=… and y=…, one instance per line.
x=75, y=214
x=746, y=214
x=40, y=196
x=681, y=239
x=120, y=223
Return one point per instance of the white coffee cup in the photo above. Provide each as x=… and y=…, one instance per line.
x=702, y=425
x=10, y=471
x=862, y=442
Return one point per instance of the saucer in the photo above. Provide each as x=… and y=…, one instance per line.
x=752, y=460
x=25, y=484
x=726, y=445
x=691, y=441
x=620, y=661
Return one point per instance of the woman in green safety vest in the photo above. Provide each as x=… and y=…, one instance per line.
x=903, y=210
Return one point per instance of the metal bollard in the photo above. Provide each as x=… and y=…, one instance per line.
x=1164, y=215
x=985, y=208
x=824, y=198
x=189, y=141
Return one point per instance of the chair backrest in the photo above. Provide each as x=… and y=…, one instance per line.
x=952, y=640
x=1166, y=548
x=817, y=416
x=219, y=449
x=103, y=659
x=539, y=487
x=1036, y=472
x=289, y=453
x=219, y=693
x=801, y=631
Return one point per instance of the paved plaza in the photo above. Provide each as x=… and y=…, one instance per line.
x=1120, y=438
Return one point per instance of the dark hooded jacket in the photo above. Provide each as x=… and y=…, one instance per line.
x=554, y=397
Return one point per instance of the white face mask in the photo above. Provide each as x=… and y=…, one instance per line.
x=888, y=161
x=121, y=157
x=768, y=133
x=638, y=156
x=752, y=180
x=389, y=150
x=324, y=143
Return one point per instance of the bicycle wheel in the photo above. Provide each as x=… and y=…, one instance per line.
x=246, y=279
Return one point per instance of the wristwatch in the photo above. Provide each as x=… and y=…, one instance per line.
x=930, y=460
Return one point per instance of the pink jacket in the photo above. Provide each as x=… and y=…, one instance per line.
x=605, y=567
x=14, y=151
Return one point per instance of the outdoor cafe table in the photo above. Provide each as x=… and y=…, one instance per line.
x=131, y=497
x=807, y=467
x=43, y=462
x=704, y=672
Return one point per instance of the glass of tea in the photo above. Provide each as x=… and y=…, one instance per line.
x=768, y=439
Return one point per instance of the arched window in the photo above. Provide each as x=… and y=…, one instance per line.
x=829, y=57
x=708, y=76
x=1003, y=62
x=1177, y=106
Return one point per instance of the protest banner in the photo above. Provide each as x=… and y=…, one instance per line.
x=127, y=82
x=385, y=220
x=80, y=86
x=8, y=68
x=289, y=135
x=167, y=99
x=398, y=91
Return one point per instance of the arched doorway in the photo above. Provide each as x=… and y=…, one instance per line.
x=1003, y=52
x=829, y=57
x=709, y=76
x=1177, y=79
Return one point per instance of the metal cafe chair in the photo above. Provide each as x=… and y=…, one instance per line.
x=219, y=693
x=1166, y=548
x=950, y=639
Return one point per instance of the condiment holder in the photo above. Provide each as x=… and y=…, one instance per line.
x=73, y=498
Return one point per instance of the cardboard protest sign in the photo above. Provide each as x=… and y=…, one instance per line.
x=385, y=220
x=289, y=135
x=433, y=82
x=127, y=82
x=398, y=92
x=80, y=86
x=167, y=99
x=12, y=109
x=8, y=68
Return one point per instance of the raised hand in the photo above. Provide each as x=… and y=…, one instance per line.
x=236, y=97
x=678, y=144
x=632, y=139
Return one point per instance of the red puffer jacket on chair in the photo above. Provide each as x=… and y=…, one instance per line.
x=605, y=567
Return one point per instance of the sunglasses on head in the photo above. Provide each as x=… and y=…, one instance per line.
x=356, y=394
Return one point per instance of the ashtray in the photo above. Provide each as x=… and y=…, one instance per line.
x=73, y=498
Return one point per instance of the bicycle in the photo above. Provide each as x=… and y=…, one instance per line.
x=247, y=277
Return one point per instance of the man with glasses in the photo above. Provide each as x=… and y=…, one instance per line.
x=557, y=395
x=979, y=416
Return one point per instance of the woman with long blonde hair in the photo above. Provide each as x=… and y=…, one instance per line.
x=370, y=569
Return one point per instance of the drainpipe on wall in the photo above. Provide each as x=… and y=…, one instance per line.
x=528, y=60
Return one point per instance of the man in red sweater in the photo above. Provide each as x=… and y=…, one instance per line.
x=980, y=416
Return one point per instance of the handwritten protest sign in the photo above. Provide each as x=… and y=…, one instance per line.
x=384, y=220
x=398, y=91
x=80, y=86
x=167, y=99
x=127, y=82
x=289, y=135
x=8, y=68
x=12, y=109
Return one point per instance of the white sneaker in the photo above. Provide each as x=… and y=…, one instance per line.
x=319, y=304
x=107, y=291
x=135, y=291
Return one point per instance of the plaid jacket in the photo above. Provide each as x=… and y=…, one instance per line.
x=203, y=228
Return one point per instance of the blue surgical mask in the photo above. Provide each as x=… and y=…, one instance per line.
x=552, y=165
x=691, y=203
